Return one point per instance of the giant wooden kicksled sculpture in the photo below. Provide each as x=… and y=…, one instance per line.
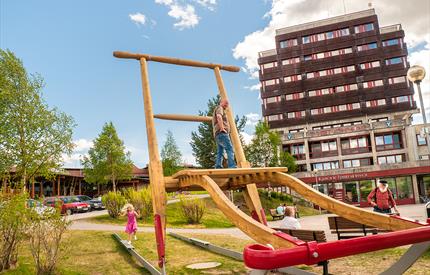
x=288, y=250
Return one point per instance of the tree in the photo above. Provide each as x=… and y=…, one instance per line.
x=107, y=161
x=33, y=137
x=263, y=151
x=170, y=155
x=203, y=142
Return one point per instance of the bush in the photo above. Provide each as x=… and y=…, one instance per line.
x=45, y=234
x=141, y=200
x=192, y=209
x=274, y=195
x=13, y=221
x=114, y=201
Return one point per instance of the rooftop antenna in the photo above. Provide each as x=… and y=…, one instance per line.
x=369, y=5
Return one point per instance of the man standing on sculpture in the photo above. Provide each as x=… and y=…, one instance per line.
x=221, y=130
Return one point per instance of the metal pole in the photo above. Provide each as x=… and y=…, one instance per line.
x=423, y=113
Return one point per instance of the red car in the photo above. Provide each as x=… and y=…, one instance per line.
x=68, y=204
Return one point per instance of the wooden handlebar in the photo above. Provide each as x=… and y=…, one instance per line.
x=184, y=117
x=176, y=61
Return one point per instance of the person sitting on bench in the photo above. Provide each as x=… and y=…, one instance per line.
x=289, y=221
x=280, y=209
x=381, y=198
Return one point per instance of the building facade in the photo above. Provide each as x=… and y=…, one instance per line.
x=337, y=92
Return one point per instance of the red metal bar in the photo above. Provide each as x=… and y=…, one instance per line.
x=255, y=216
x=262, y=257
x=159, y=239
x=263, y=216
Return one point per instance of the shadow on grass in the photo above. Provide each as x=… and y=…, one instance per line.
x=127, y=256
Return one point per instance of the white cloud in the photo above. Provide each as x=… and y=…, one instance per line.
x=252, y=119
x=255, y=87
x=185, y=15
x=247, y=138
x=82, y=145
x=209, y=4
x=138, y=18
x=287, y=13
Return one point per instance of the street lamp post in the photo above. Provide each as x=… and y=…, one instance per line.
x=416, y=74
x=317, y=185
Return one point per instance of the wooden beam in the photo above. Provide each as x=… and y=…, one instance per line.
x=184, y=117
x=58, y=186
x=175, y=61
x=226, y=173
x=155, y=168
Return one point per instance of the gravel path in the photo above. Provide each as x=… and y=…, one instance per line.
x=415, y=211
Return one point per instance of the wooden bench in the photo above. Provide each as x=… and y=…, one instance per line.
x=308, y=236
x=275, y=215
x=346, y=229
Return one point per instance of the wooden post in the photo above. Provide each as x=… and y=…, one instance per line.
x=155, y=167
x=32, y=187
x=58, y=186
x=41, y=189
x=250, y=193
x=80, y=187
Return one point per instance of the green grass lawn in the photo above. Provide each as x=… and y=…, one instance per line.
x=213, y=218
x=97, y=253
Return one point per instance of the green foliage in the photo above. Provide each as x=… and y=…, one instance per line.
x=13, y=221
x=45, y=234
x=203, y=142
x=114, y=201
x=33, y=137
x=141, y=200
x=263, y=151
x=192, y=209
x=107, y=161
x=171, y=155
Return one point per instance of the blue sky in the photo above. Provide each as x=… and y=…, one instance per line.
x=70, y=43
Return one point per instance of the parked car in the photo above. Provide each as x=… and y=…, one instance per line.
x=68, y=204
x=39, y=207
x=95, y=203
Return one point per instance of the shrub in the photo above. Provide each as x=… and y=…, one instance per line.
x=45, y=234
x=141, y=200
x=13, y=220
x=192, y=209
x=114, y=201
x=274, y=195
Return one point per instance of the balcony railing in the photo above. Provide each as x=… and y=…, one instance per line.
x=358, y=150
x=386, y=147
x=299, y=156
x=323, y=154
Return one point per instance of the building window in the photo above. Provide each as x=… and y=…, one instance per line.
x=323, y=149
x=291, y=61
x=294, y=96
x=327, y=54
x=273, y=117
x=370, y=65
x=288, y=43
x=269, y=65
x=390, y=159
x=298, y=114
x=364, y=28
x=373, y=83
x=323, y=36
x=270, y=82
x=395, y=60
x=400, y=99
x=366, y=47
x=395, y=80
x=421, y=140
x=292, y=78
x=355, y=145
x=356, y=163
x=273, y=99
x=325, y=165
x=297, y=151
x=375, y=103
x=388, y=141
x=391, y=42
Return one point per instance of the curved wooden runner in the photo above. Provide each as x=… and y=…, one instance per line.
x=261, y=233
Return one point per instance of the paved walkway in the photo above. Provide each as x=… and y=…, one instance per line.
x=415, y=211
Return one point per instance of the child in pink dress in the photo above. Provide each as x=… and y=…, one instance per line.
x=131, y=226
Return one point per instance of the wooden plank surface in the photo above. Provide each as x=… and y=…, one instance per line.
x=226, y=173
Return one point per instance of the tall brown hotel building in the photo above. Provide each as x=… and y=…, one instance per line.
x=337, y=92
